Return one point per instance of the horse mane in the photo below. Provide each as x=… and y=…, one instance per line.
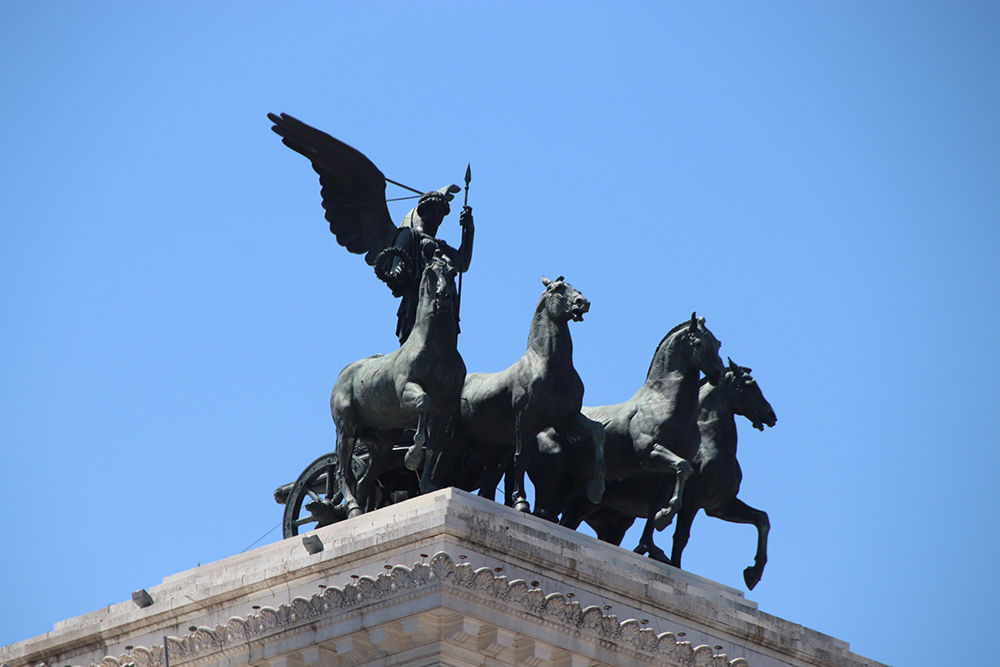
x=702, y=382
x=670, y=333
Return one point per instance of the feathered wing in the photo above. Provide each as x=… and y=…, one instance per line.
x=352, y=187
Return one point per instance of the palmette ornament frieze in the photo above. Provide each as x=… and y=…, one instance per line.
x=516, y=595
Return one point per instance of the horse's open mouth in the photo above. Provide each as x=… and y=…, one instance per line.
x=770, y=422
x=578, y=315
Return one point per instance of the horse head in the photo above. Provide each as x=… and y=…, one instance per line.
x=746, y=398
x=705, y=349
x=563, y=302
x=689, y=345
x=437, y=285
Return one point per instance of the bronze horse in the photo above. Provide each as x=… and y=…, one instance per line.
x=503, y=412
x=655, y=432
x=716, y=481
x=717, y=475
x=419, y=384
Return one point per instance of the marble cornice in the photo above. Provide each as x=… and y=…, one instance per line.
x=515, y=596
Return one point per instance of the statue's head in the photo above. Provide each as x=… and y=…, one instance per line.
x=431, y=210
x=746, y=398
x=563, y=301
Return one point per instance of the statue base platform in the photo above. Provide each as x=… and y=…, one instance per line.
x=444, y=579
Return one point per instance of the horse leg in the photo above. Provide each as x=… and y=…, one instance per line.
x=521, y=455
x=365, y=484
x=367, y=493
x=342, y=411
x=610, y=526
x=435, y=446
x=661, y=458
x=646, y=544
x=592, y=432
x=413, y=394
x=446, y=471
x=682, y=532
x=430, y=455
x=348, y=482
x=737, y=511
x=508, y=481
x=546, y=473
x=655, y=501
x=576, y=511
x=489, y=481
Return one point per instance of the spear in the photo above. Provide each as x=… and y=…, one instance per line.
x=468, y=179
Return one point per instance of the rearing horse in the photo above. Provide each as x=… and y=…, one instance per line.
x=656, y=431
x=503, y=412
x=374, y=399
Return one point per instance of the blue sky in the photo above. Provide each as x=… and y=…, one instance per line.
x=819, y=180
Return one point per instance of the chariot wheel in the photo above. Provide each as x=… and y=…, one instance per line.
x=315, y=497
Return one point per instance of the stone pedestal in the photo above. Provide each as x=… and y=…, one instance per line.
x=443, y=579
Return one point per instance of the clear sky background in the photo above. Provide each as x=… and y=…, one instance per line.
x=819, y=180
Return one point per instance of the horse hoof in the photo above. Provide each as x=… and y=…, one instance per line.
x=640, y=549
x=663, y=518
x=522, y=506
x=751, y=577
x=548, y=516
x=659, y=556
x=414, y=457
x=353, y=512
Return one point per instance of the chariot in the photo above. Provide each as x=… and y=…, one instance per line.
x=316, y=498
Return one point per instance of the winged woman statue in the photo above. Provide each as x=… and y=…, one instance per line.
x=353, y=193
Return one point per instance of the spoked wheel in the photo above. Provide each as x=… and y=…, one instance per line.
x=315, y=497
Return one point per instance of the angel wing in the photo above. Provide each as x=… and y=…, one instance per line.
x=352, y=187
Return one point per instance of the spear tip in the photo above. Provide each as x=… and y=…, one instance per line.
x=468, y=174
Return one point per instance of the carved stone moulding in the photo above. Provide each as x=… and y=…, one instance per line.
x=299, y=633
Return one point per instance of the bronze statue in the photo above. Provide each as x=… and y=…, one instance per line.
x=353, y=192
x=716, y=479
x=393, y=412
x=418, y=384
x=503, y=412
x=655, y=432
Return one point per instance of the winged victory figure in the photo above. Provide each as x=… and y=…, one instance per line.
x=353, y=193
